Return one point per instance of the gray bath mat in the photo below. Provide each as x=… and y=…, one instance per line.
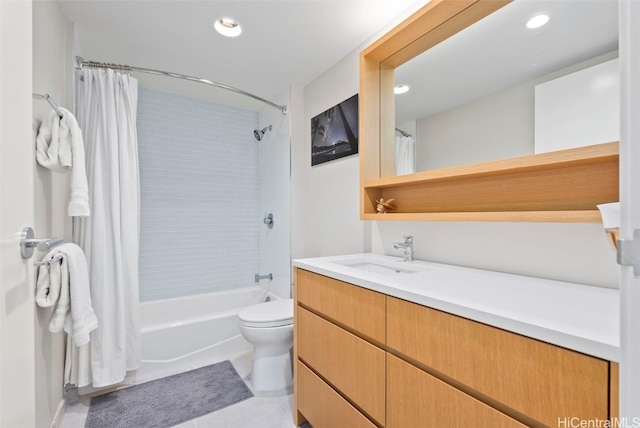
x=169, y=401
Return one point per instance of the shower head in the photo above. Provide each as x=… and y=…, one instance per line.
x=259, y=133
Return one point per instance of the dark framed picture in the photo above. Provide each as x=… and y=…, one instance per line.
x=334, y=132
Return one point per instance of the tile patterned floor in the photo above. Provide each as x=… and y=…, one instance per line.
x=259, y=411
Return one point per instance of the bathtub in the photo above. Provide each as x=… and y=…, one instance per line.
x=184, y=333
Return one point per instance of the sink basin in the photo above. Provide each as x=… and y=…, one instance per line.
x=379, y=268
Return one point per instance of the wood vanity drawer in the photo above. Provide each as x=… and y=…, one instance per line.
x=322, y=406
x=542, y=381
x=353, y=366
x=355, y=307
x=417, y=399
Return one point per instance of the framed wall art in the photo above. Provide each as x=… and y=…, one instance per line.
x=334, y=132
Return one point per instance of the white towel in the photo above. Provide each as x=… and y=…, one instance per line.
x=59, y=147
x=48, y=283
x=65, y=285
x=77, y=364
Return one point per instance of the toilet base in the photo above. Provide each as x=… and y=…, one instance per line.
x=271, y=369
x=271, y=372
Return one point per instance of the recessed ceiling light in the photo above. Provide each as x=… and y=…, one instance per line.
x=400, y=89
x=537, y=21
x=228, y=27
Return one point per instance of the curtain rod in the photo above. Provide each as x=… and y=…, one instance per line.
x=80, y=62
x=48, y=99
x=403, y=133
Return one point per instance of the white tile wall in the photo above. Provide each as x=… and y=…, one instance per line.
x=275, y=198
x=199, y=195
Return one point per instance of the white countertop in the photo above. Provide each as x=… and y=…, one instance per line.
x=575, y=316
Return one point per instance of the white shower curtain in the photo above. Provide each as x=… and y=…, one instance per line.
x=106, y=106
x=405, y=155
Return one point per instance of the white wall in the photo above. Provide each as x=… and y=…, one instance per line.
x=326, y=220
x=52, y=74
x=568, y=252
x=325, y=198
x=296, y=112
x=274, y=181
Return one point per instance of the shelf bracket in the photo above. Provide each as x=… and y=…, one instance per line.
x=628, y=253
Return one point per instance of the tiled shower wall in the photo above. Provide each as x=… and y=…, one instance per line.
x=199, y=195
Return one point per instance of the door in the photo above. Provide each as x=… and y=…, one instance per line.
x=630, y=208
x=17, y=397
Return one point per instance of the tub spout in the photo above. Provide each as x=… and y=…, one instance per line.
x=259, y=277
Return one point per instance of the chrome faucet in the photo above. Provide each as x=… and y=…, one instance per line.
x=407, y=245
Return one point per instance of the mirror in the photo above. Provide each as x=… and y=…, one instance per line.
x=473, y=96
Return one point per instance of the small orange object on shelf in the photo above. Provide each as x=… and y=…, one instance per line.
x=383, y=205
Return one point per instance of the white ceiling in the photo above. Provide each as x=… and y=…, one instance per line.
x=284, y=43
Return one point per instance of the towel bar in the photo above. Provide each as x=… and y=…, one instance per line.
x=28, y=242
x=49, y=262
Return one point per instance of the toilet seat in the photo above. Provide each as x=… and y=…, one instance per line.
x=276, y=313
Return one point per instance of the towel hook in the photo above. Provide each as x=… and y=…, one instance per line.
x=48, y=99
x=28, y=242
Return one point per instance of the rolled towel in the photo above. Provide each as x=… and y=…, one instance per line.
x=48, y=283
x=65, y=285
x=60, y=148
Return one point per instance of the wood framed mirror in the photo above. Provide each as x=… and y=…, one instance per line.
x=557, y=186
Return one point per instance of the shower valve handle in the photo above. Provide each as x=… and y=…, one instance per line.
x=268, y=220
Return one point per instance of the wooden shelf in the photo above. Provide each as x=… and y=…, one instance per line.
x=562, y=186
x=513, y=217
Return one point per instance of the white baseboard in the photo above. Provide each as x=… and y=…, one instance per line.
x=57, y=418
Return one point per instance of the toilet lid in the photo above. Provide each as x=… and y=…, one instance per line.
x=275, y=313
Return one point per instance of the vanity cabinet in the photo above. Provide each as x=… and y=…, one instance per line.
x=418, y=399
x=523, y=376
x=350, y=364
x=322, y=404
x=363, y=358
x=339, y=331
x=354, y=308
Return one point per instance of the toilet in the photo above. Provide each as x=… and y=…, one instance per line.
x=268, y=327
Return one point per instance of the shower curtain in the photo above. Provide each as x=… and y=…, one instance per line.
x=405, y=155
x=106, y=106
